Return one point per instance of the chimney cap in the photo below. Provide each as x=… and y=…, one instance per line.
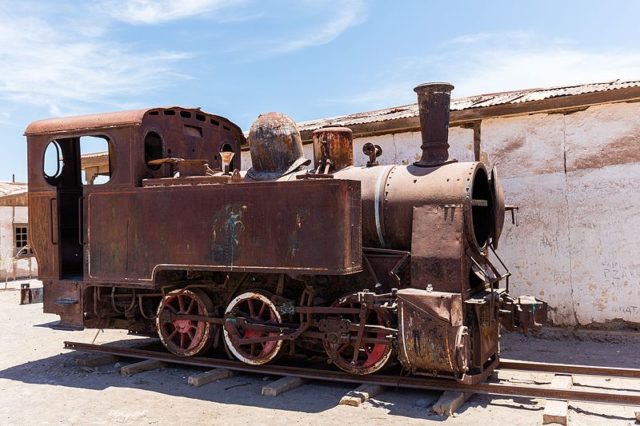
x=433, y=87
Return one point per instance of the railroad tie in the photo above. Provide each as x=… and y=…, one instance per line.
x=449, y=402
x=139, y=367
x=556, y=411
x=97, y=360
x=361, y=394
x=214, y=375
x=282, y=385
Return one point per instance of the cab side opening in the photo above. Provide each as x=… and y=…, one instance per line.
x=63, y=168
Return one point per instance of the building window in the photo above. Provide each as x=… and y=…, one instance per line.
x=20, y=238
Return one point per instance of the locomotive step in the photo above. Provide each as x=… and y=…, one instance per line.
x=66, y=301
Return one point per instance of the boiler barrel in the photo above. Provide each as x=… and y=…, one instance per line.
x=389, y=194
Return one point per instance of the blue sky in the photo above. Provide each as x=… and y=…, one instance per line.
x=306, y=58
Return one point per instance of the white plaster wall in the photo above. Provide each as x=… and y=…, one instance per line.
x=603, y=178
x=605, y=250
x=536, y=251
x=9, y=266
x=524, y=146
x=574, y=177
x=404, y=148
x=400, y=148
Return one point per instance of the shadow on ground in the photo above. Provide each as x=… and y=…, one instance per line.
x=316, y=396
x=243, y=389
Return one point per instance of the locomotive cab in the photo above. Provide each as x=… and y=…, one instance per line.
x=73, y=159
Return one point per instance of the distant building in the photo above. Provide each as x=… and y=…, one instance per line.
x=16, y=260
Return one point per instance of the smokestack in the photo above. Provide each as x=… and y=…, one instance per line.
x=433, y=104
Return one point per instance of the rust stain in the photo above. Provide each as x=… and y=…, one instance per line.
x=511, y=145
x=623, y=150
x=514, y=165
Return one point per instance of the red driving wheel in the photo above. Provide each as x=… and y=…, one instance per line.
x=185, y=337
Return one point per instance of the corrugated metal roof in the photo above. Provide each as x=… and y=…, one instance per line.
x=12, y=188
x=471, y=102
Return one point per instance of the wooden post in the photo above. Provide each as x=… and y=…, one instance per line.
x=477, y=132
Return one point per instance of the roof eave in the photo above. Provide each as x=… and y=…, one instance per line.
x=559, y=104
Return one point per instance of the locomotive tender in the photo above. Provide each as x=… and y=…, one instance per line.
x=368, y=266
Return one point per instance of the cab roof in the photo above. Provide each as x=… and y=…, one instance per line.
x=109, y=120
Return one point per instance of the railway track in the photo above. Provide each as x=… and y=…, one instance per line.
x=617, y=397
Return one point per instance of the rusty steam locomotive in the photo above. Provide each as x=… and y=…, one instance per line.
x=368, y=266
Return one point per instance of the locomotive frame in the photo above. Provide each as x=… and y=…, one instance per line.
x=367, y=265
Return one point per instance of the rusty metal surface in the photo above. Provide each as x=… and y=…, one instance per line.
x=55, y=215
x=522, y=314
x=299, y=226
x=85, y=122
x=424, y=318
x=389, y=194
x=482, y=313
x=437, y=248
x=360, y=344
x=332, y=149
x=64, y=298
x=192, y=168
x=177, y=219
x=433, y=107
x=187, y=134
x=498, y=206
x=440, y=305
x=100, y=121
x=276, y=147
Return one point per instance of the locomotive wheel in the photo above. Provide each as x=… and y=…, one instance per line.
x=371, y=357
x=185, y=337
x=254, y=308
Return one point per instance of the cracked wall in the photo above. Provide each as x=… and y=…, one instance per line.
x=574, y=177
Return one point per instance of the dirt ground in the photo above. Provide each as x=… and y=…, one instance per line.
x=40, y=384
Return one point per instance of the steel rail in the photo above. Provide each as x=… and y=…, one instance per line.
x=609, y=397
x=587, y=370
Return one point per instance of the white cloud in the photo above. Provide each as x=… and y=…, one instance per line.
x=486, y=63
x=507, y=69
x=476, y=38
x=64, y=57
x=67, y=69
x=347, y=14
x=160, y=11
